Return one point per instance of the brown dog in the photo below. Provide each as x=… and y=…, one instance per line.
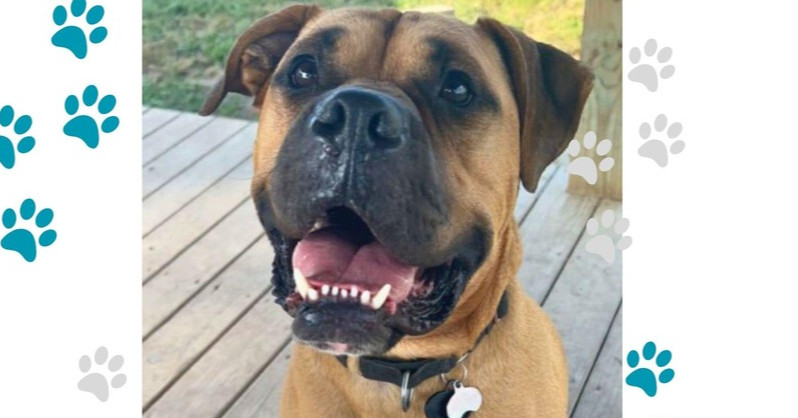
x=387, y=167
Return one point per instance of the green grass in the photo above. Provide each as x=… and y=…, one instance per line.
x=187, y=41
x=558, y=22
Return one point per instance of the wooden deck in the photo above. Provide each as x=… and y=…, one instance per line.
x=215, y=343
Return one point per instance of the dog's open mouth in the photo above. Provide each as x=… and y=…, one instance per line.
x=341, y=261
x=351, y=295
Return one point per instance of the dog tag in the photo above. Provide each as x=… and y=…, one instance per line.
x=463, y=401
x=436, y=404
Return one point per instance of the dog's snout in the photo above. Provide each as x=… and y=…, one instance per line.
x=359, y=116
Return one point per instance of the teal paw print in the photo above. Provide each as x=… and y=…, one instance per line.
x=84, y=127
x=8, y=152
x=644, y=377
x=73, y=37
x=22, y=240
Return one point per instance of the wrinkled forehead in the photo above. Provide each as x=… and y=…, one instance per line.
x=392, y=46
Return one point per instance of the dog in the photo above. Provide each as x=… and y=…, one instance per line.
x=388, y=157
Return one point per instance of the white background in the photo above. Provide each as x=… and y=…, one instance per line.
x=85, y=290
x=709, y=275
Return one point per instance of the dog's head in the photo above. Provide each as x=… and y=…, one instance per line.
x=388, y=158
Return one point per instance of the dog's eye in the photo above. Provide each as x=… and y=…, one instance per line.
x=456, y=88
x=304, y=73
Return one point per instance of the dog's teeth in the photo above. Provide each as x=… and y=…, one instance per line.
x=301, y=283
x=381, y=296
x=325, y=290
x=344, y=293
x=365, y=297
x=335, y=290
x=353, y=292
x=318, y=225
x=313, y=294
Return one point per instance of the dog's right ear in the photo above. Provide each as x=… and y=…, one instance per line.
x=256, y=54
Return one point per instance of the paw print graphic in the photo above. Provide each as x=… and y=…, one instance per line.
x=655, y=148
x=585, y=166
x=23, y=240
x=84, y=127
x=8, y=151
x=645, y=73
x=644, y=377
x=99, y=383
x=73, y=37
x=604, y=244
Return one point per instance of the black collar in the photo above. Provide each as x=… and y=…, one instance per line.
x=394, y=370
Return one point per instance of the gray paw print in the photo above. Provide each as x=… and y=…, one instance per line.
x=585, y=166
x=97, y=383
x=655, y=148
x=604, y=243
x=646, y=74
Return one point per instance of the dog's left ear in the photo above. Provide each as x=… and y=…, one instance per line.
x=256, y=54
x=550, y=89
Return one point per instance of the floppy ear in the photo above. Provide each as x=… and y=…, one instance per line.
x=550, y=89
x=256, y=54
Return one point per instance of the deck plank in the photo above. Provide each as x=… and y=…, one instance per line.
x=549, y=234
x=180, y=280
x=154, y=119
x=582, y=305
x=193, y=221
x=601, y=396
x=173, y=162
x=200, y=176
x=262, y=398
x=181, y=340
x=171, y=134
x=206, y=389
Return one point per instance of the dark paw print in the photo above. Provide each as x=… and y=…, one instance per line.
x=646, y=378
x=10, y=137
x=23, y=239
x=85, y=127
x=73, y=37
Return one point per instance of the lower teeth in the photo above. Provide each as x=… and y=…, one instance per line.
x=309, y=293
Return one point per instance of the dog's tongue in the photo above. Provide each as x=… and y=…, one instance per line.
x=333, y=257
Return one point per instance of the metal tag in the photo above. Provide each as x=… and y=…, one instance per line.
x=463, y=400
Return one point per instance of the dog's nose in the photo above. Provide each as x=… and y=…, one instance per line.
x=369, y=117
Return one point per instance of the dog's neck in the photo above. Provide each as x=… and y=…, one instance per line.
x=407, y=374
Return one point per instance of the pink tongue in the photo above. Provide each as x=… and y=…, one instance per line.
x=327, y=256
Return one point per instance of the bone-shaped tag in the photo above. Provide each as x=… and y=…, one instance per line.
x=463, y=400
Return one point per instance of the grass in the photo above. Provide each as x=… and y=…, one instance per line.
x=558, y=22
x=186, y=41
